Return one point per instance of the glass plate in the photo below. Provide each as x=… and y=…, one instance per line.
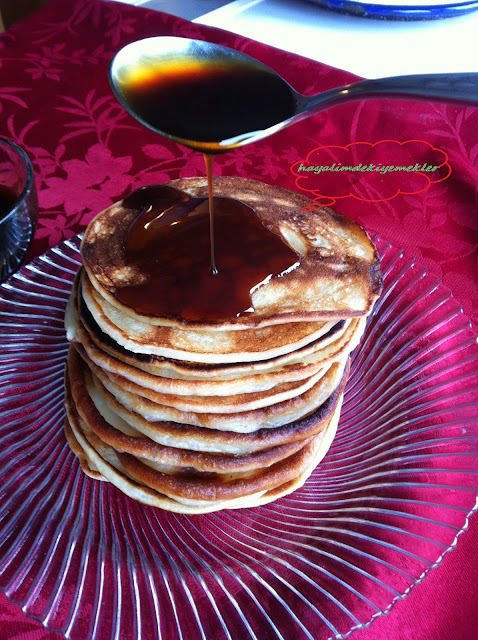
x=388, y=501
x=401, y=9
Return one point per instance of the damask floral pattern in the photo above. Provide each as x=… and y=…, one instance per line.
x=55, y=101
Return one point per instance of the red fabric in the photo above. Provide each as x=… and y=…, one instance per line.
x=55, y=101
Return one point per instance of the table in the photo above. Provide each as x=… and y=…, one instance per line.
x=88, y=153
x=380, y=48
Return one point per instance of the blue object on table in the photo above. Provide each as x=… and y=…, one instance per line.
x=413, y=10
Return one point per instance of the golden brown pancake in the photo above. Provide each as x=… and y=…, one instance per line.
x=180, y=481
x=216, y=347
x=208, y=385
x=270, y=417
x=337, y=342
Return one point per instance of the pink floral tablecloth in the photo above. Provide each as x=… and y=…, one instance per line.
x=55, y=101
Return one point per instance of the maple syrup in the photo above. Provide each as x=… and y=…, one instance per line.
x=169, y=240
x=205, y=102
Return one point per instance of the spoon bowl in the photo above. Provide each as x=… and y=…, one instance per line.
x=212, y=98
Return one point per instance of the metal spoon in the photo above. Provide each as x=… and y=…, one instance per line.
x=151, y=55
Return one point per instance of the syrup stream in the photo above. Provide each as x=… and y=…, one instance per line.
x=209, y=160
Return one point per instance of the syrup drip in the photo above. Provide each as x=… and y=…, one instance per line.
x=209, y=160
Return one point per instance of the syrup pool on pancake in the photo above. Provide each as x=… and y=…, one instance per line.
x=169, y=241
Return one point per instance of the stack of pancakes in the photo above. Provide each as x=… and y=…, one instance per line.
x=196, y=417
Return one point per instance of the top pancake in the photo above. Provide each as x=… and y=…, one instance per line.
x=338, y=277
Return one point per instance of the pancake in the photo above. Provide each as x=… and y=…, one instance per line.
x=112, y=430
x=178, y=480
x=200, y=346
x=151, y=379
x=339, y=274
x=87, y=466
x=343, y=331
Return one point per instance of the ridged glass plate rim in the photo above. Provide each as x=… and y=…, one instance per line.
x=39, y=274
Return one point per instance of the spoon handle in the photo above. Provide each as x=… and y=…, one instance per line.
x=458, y=88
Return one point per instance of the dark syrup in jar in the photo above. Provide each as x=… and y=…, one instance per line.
x=169, y=240
x=8, y=199
x=206, y=101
